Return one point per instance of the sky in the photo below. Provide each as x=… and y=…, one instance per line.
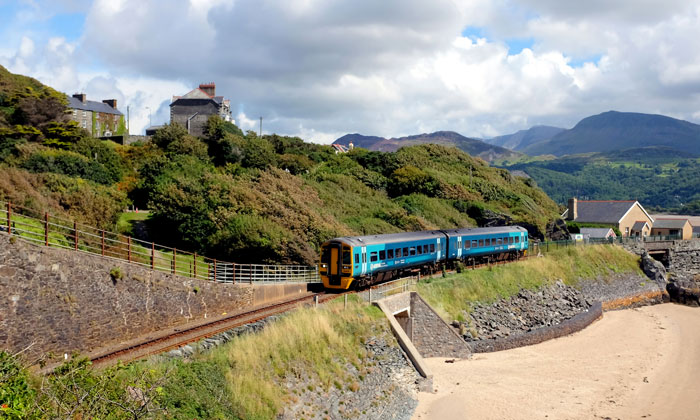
x=320, y=69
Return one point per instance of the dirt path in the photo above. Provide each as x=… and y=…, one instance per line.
x=632, y=364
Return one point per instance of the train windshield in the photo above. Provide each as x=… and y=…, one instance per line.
x=326, y=255
x=346, y=256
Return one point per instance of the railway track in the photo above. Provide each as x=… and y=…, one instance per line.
x=183, y=336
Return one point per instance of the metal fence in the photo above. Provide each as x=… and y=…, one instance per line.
x=544, y=247
x=57, y=232
x=381, y=291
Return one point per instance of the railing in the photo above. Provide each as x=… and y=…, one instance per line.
x=53, y=231
x=381, y=291
x=543, y=247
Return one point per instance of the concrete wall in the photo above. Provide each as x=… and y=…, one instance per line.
x=61, y=301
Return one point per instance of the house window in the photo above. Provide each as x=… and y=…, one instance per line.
x=75, y=112
x=84, y=123
x=627, y=231
x=84, y=113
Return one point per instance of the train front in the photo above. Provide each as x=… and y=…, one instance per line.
x=335, y=268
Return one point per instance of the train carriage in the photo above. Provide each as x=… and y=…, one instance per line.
x=494, y=243
x=361, y=260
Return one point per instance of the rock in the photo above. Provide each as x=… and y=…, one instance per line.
x=654, y=269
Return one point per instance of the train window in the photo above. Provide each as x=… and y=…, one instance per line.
x=432, y=247
x=499, y=241
x=419, y=249
x=382, y=255
x=325, y=255
x=398, y=252
x=474, y=244
x=405, y=252
x=510, y=240
x=347, y=256
x=426, y=249
x=390, y=254
x=467, y=244
x=481, y=243
x=373, y=256
x=412, y=251
x=517, y=239
x=357, y=258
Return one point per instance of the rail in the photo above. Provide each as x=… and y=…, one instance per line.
x=383, y=290
x=52, y=231
x=544, y=247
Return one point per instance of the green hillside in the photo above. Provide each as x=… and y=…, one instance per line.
x=660, y=178
x=242, y=198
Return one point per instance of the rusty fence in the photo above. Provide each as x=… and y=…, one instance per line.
x=57, y=232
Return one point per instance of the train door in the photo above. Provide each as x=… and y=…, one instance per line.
x=364, y=260
x=459, y=247
x=439, y=250
x=334, y=269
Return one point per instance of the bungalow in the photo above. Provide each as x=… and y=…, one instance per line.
x=628, y=216
x=598, y=233
x=672, y=227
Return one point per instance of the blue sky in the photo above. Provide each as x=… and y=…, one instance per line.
x=397, y=67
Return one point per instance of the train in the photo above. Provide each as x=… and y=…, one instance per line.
x=359, y=261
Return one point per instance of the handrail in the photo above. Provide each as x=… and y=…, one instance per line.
x=53, y=231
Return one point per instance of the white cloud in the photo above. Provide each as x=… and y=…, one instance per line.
x=321, y=68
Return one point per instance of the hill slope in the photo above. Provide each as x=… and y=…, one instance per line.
x=621, y=130
x=247, y=199
x=472, y=146
x=523, y=138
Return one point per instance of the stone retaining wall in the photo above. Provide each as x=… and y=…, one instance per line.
x=431, y=335
x=61, y=301
x=570, y=326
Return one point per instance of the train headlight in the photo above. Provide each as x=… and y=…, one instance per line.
x=324, y=265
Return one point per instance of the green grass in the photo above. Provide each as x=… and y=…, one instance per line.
x=453, y=296
x=126, y=221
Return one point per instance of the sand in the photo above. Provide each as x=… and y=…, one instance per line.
x=631, y=364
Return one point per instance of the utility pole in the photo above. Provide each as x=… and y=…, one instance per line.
x=127, y=120
x=260, y=127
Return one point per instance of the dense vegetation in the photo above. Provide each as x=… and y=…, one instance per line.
x=238, y=197
x=660, y=178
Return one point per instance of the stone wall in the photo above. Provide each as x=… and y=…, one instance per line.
x=61, y=301
x=431, y=335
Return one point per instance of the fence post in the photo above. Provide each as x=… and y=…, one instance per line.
x=75, y=235
x=9, y=218
x=250, y=273
x=214, y=269
x=195, y=265
x=128, y=247
x=370, y=295
x=103, y=242
x=234, y=273
x=46, y=228
x=153, y=256
x=174, y=260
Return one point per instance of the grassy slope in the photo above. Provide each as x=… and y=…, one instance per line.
x=452, y=296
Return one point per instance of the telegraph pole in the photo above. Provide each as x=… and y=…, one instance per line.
x=260, y=127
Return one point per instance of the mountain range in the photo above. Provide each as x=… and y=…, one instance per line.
x=606, y=132
x=474, y=147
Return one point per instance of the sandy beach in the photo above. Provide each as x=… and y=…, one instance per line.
x=631, y=364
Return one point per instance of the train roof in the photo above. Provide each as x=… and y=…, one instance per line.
x=390, y=238
x=484, y=231
x=423, y=235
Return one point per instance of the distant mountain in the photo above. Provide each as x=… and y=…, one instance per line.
x=621, y=130
x=472, y=146
x=523, y=138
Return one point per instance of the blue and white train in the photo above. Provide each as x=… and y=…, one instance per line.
x=358, y=261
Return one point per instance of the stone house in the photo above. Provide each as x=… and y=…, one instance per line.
x=672, y=227
x=194, y=109
x=100, y=119
x=628, y=216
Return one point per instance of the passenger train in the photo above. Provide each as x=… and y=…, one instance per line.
x=358, y=261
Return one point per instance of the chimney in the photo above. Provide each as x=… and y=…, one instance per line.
x=111, y=102
x=573, y=209
x=81, y=97
x=209, y=88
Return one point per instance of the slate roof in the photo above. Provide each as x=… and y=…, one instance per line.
x=670, y=223
x=94, y=106
x=597, y=232
x=602, y=211
x=198, y=93
x=639, y=225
